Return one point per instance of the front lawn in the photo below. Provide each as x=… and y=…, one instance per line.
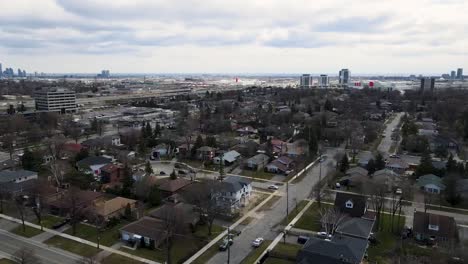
x=49, y=220
x=387, y=239
x=118, y=259
x=310, y=220
x=108, y=236
x=258, y=174
x=287, y=250
x=294, y=212
x=254, y=254
x=29, y=231
x=182, y=248
x=207, y=255
x=72, y=246
x=6, y=261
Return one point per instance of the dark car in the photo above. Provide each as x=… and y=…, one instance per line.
x=182, y=172
x=302, y=239
x=60, y=224
x=162, y=173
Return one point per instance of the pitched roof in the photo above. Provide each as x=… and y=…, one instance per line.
x=8, y=175
x=147, y=227
x=276, y=163
x=356, y=227
x=110, y=206
x=359, y=204
x=110, y=168
x=230, y=156
x=357, y=170
x=430, y=179
x=446, y=224
x=340, y=249
x=187, y=211
x=170, y=185
x=259, y=158
x=94, y=160
x=397, y=163
x=234, y=183
x=206, y=148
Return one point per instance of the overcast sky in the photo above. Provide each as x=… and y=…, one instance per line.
x=238, y=36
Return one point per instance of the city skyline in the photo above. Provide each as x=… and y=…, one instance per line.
x=237, y=37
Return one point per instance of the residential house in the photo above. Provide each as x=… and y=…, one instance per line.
x=113, y=208
x=442, y=142
x=430, y=183
x=247, y=130
x=247, y=149
x=61, y=204
x=187, y=212
x=233, y=193
x=337, y=250
x=102, y=142
x=206, y=153
x=355, y=176
x=278, y=146
x=257, y=162
x=387, y=178
x=363, y=158
x=93, y=165
x=9, y=176
x=397, y=165
x=169, y=187
x=160, y=150
x=352, y=204
x=296, y=149
x=283, y=165
x=357, y=172
x=228, y=158
x=111, y=174
x=434, y=228
x=146, y=232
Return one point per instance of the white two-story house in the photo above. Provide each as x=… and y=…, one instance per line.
x=234, y=193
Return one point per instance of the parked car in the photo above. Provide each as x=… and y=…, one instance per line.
x=182, y=172
x=273, y=187
x=60, y=224
x=323, y=235
x=399, y=191
x=302, y=239
x=337, y=185
x=257, y=242
x=227, y=241
x=162, y=173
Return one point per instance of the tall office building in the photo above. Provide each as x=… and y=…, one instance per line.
x=452, y=75
x=1, y=71
x=306, y=81
x=323, y=81
x=460, y=73
x=344, y=77
x=55, y=100
x=427, y=84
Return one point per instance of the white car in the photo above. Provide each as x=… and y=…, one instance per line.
x=273, y=187
x=257, y=242
x=398, y=191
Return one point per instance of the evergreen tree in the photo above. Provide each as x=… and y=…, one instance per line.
x=173, y=175
x=451, y=165
x=379, y=162
x=328, y=105
x=154, y=196
x=157, y=131
x=82, y=154
x=198, y=144
x=211, y=141
x=148, y=130
x=370, y=166
x=451, y=194
x=28, y=161
x=344, y=164
x=128, y=212
x=148, y=168
x=425, y=167
x=127, y=182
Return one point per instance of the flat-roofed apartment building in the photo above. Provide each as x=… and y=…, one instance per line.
x=55, y=100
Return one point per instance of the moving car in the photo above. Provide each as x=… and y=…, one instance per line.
x=225, y=243
x=257, y=242
x=273, y=187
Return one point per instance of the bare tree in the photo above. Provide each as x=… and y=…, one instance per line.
x=331, y=219
x=98, y=222
x=76, y=210
x=376, y=193
x=20, y=201
x=26, y=256
x=395, y=205
x=9, y=143
x=173, y=220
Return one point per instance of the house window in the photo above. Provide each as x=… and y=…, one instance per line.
x=434, y=227
x=349, y=204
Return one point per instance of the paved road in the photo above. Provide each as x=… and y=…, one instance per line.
x=10, y=243
x=387, y=141
x=267, y=221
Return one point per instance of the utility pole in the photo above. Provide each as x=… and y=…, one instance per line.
x=229, y=246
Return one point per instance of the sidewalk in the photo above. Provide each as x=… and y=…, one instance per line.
x=80, y=240
x=46, y=235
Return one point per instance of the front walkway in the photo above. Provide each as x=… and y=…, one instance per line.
x=46, y=235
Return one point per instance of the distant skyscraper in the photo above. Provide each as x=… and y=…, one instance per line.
x=1, y=71
x=323, y=81
x=20, y=73
x=460, y=73
x=306, y=81
x=344, y=77
x=427, y=85
x=452, y=75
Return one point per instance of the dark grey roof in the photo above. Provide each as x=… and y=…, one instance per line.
x=356, y=227
x=18, y=187
x=340, y=249
x=89, y=161
x=359, y=204
x=8, y=175
x=234, y=183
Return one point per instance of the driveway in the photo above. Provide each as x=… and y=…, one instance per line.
x=267, y=224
